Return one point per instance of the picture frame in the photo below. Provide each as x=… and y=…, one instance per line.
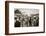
x=16, y=4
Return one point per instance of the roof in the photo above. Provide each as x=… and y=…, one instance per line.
x=17, y=11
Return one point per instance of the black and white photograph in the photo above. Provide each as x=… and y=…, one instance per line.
x=26, y=17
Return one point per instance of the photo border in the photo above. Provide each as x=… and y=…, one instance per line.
x=7, y=17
